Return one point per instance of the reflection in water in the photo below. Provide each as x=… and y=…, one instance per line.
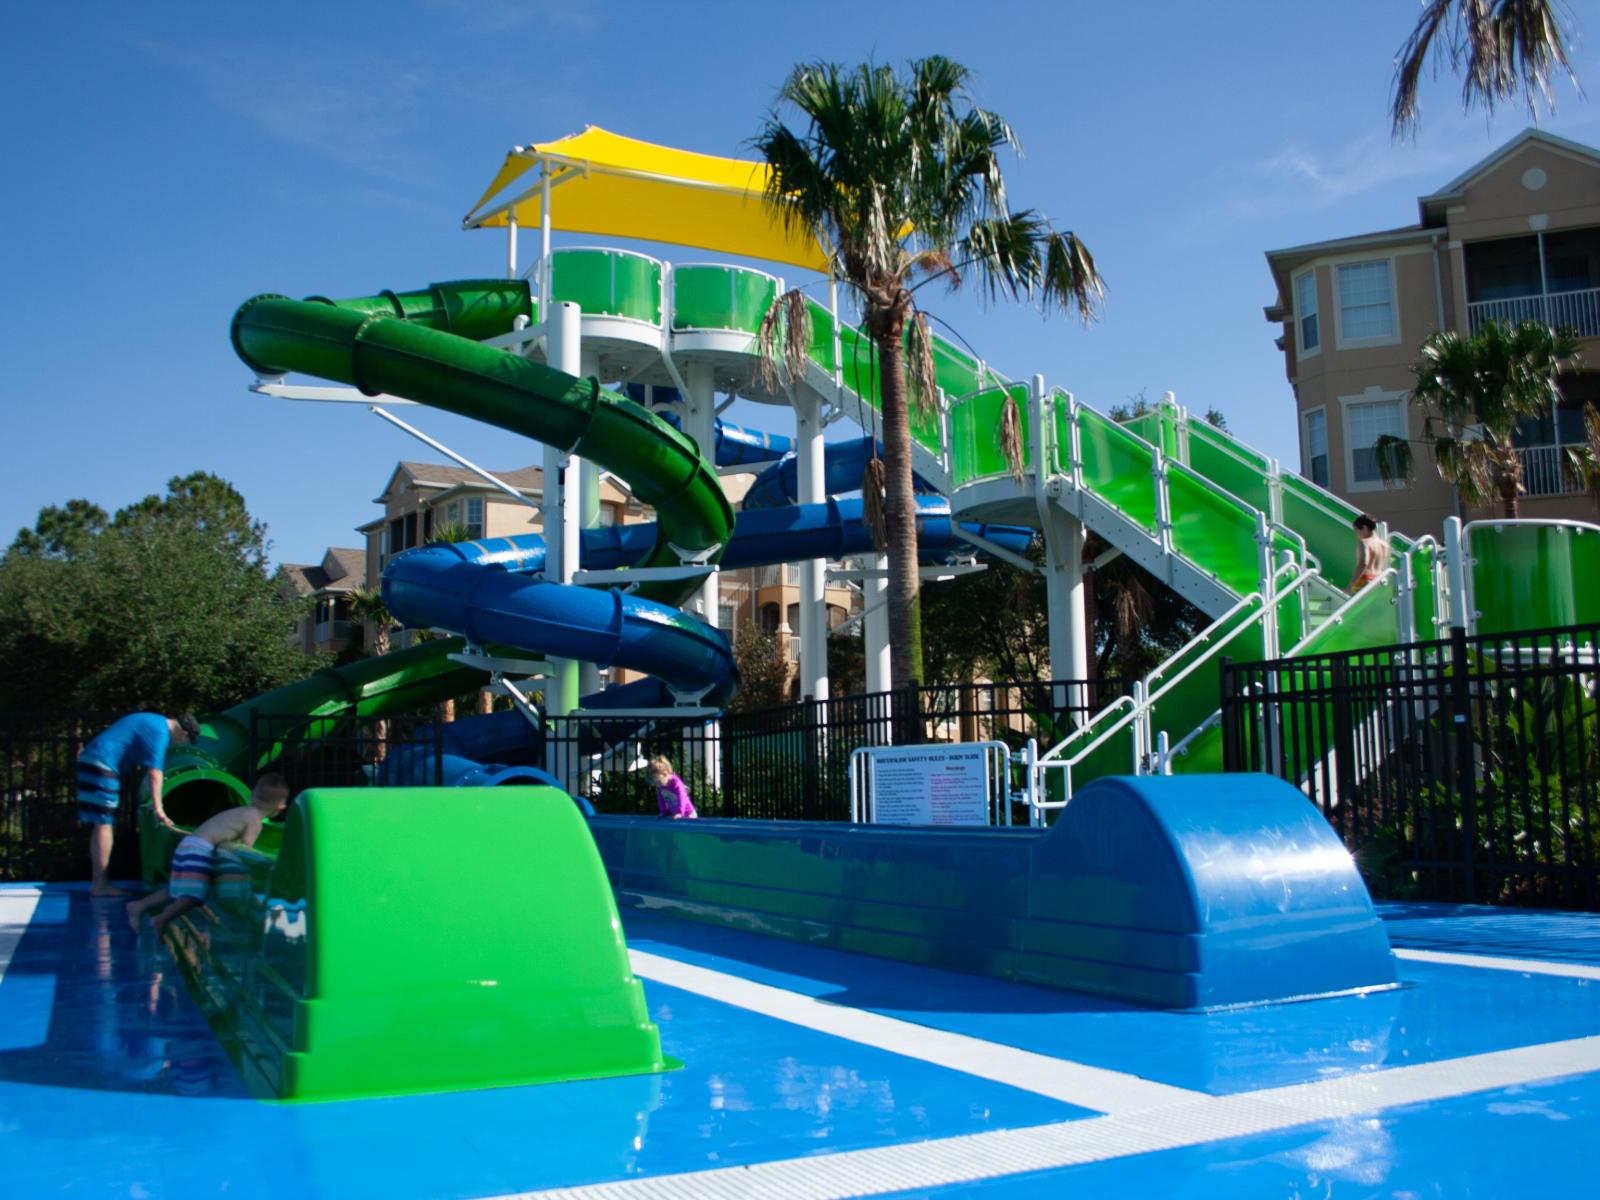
x=118, y=1017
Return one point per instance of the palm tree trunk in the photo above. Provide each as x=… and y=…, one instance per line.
x=1510, y=481
x=1508, y=497
x=900, y=513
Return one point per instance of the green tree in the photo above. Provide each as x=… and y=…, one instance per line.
x=1501, y=48
x=1475, y=389
x=763, y=673
x=1010, y=643
x=167, y=605
x=899, y=178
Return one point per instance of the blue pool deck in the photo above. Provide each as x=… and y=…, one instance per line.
x=812, y=1073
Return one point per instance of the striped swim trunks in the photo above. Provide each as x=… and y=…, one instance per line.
x=99, y=789
x=193, y=863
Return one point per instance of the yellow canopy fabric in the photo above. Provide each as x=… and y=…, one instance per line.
x=610, y=185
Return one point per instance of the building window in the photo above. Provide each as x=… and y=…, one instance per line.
x=1305, y=308
x=725, y=617
x=475, y=518
x=452, y=513
x=402, y=533
x=608, y=515
x=1316, y=453
x=1364, y=424
x=1366, y=301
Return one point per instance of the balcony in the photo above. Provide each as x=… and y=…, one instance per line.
x=1546, y=471
x=1579, y=310
x=334, y=631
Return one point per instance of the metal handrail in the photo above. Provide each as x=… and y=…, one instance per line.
x=1049, y=755
x=1337, y=616
x=1152, y=697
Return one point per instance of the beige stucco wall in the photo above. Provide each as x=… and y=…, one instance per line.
x=1537, y=186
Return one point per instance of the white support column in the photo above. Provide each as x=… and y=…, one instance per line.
x=1063, y=575
x=700, y=423
x=583, y=482
x=1265, y=568
x=511, y=246
x=875, y=598
x=813, y=600
x=561, y=504
x=1063, y=560
x=1455, y=552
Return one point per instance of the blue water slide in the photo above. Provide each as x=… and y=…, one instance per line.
x=489, y=591
x=735, y=445
x=762, y=537
x=486, y=594
x=842, y=464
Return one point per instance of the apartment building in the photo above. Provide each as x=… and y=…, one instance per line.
x=328, y=627
x=1514, y=237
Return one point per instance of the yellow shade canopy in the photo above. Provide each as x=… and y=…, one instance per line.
x=606, y=184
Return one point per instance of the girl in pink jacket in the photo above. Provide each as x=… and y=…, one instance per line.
x=672, y=796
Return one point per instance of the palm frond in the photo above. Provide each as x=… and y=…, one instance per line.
x=1021, y=257
x=783, y=339
x=1467, y=464
x=1393, y=455
x=1502, y=48
x=922, y=378
x=1010, y=439
x=873, y=513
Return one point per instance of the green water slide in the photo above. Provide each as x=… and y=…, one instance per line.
x=426, y=346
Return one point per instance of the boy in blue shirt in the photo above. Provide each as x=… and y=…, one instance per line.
x=136, y=743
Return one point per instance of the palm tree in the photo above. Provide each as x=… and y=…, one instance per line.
x=898, y=178
x=1503, y=48
x=366, y=605
x=1476, y=389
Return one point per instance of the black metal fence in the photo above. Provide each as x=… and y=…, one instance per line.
x=788, y=762
x=39, y=834
x=349, y=751
x=1465, y=769
x=792, y=761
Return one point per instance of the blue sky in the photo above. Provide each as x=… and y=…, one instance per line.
x=163, y=162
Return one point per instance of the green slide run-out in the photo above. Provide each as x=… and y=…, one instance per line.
x=399, y=942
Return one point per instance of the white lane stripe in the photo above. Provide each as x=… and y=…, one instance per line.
x=1529, y=966
x=1088, y=1087
x=969, y=1157
x=16, y=910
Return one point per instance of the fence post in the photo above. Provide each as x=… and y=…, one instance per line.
x=810, y=767
x=1344, y=740
x=1231, y=757
x=1460, y=726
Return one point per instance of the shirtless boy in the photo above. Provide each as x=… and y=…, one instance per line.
x=194, y=861
x=1372, y=553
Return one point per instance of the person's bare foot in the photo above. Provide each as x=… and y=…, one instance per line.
x=134, y=913
x=104, y=891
